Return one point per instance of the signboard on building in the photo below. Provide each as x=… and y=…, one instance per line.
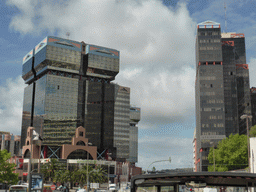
x=36, y=182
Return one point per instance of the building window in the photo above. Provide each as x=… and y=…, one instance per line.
x=220, y=125
x=208, y=78
x=209, y=48
x=202, y=48
x=219, y=101
x=207, y=109
x=204, y=157
x=207, y=93
x=211, y=101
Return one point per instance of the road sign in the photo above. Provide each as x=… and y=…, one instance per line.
x=53, y=187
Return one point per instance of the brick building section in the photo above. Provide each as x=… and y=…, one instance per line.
x=125, y=171
x=10, y=142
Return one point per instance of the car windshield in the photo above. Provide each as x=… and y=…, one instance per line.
x=194, y=182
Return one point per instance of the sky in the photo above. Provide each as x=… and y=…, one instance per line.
x=156, y=40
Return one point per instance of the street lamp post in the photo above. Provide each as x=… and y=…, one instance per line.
x=156, y=162
x=40, y=144
x=87, y=168
x=108, y=167
x=29, y=163
x=108, y=175
x=246, y=116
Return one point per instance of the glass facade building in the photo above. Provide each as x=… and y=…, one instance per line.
x=121, y=121
x=69, y=85
x=133, y=146
x=10, y=142
x=222, y=88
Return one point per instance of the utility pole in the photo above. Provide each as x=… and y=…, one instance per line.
x=246, y=116
x=87, y=179
x=170, y=160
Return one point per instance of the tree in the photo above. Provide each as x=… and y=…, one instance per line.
x=80, y=176
x=51, y=168
x=56, y=172
x=98, y=175
x=6, y=169
x=231, y=153
x=253, y=131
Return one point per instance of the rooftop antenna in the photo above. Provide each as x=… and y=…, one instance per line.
x=225, y=17
x=68, y=34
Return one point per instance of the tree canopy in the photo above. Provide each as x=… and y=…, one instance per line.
x=253, y=131
x=57, y=172
x=51, y=169
x=230, y=154
x=6, y=169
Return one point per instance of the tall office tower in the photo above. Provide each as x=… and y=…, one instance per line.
x=133, y=146
x=69, y=85
x=222, y=88
x=97, y=97
x=10, y=142
x=121, y=122
x=253, y=103
x=51, y=71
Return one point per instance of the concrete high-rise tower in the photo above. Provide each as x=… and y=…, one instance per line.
x=222, y=88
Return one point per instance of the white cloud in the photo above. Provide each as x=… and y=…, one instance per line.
x=11, y=97
x=162, y=147
x=156, y=44
x=23, y=22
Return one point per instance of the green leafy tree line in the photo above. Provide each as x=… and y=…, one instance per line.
x=231, y=153
x=57, y=172
x=253, y=131
x=6, y=169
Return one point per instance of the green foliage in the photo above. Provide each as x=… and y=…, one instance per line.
x=231, y=154
x=6, y=169
x=52, y=169
x=96, y=175
x=57, y=172
x=253, y=131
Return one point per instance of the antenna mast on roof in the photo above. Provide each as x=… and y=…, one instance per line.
x=225, y=17
x=68, y=34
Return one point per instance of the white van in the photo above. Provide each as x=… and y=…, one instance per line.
x=18, y=188
x=112, y=187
